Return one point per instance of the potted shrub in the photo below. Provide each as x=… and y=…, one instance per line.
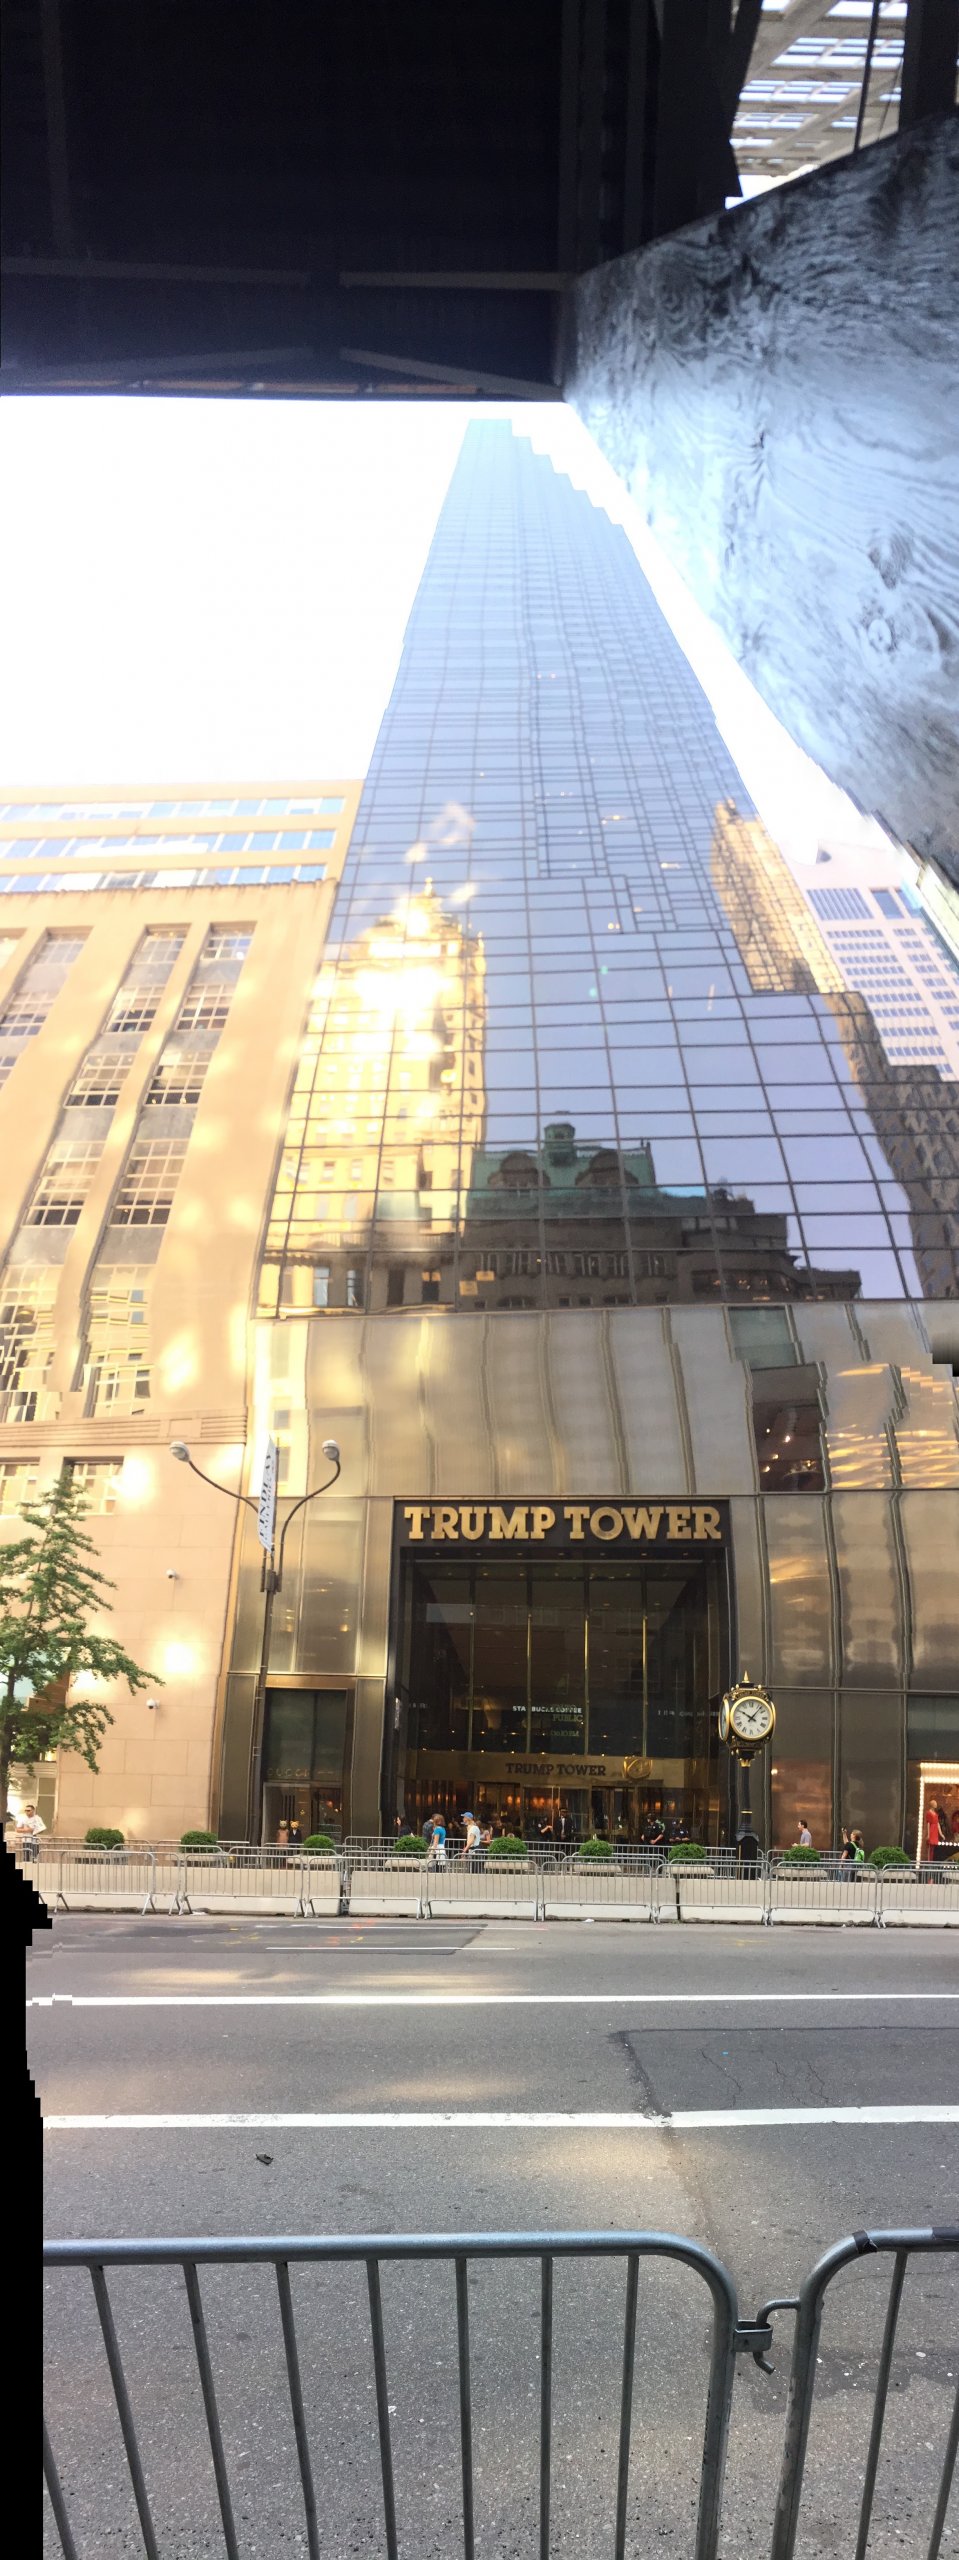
x=800, y=1857
x=198, y=1841
x=319, y=1844
x=688, y=1858
x=889, y=1857
x=509, y=1846
x=595, y=1849
x=410, y=1844
x=102, y=1836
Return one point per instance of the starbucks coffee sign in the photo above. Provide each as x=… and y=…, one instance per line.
x=562, y=1524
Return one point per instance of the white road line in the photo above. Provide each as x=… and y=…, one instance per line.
x=695, y=2120
x=469, y=1999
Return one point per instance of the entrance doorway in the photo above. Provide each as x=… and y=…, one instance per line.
x=306, y=1760
x=555, y=1693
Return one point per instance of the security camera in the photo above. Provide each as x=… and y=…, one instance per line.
x=171, y=1574
x=152, y=1703
x=331, y=1450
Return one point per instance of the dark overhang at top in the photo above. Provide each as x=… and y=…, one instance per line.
x=332, y=196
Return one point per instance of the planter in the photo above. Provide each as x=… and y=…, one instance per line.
x=506, y=1887
x=805, y=1894
x=395, y=1887
x=591, y=1891
x=702, y=1895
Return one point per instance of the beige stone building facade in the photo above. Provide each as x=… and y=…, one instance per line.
x=153, y=990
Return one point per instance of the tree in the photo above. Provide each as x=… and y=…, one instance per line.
x=51, y=1599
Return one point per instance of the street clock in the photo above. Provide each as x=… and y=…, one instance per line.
x=747, y=1718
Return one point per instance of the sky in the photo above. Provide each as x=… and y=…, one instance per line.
x=216, y=591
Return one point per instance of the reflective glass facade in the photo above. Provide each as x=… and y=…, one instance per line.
x=580, y=1039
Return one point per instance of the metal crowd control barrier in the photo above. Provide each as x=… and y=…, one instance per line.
x=900, y=2246
x=730, y=2335
x=549, y=1882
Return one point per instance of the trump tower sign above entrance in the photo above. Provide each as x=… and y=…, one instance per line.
x=618, y=1525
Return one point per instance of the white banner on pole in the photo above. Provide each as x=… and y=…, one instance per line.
x=266, y=1514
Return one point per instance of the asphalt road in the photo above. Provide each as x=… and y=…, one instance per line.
x=584, y=2052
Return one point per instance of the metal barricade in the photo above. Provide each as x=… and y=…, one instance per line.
x=900, y=2246
x=920, y=1896
x=460, y=2255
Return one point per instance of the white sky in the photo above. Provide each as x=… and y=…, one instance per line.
x=200, y=591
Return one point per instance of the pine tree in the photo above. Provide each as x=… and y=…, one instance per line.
x=52, y=1602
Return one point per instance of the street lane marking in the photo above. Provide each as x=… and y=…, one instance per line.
x=683, y=2120
x=466, y=1999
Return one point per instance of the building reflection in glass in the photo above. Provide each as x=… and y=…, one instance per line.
x=581, y=1040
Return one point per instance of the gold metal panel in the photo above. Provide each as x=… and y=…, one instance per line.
x=717, y=1388
x=588, y=1437
x=749, y=1587
x=869, y=1588
x=652, y=1425
x=800, y=1590
x=930, y=1530
x=523, y=1446
x=455, y=1404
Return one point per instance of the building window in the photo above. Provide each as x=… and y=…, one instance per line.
x=354, y=1288
x=180, y=1072
x=136, y=1001
x=65, y=1182
x=763, y=1337
x=96, y=1479
x=98, y=1080
x=395, y=1284
x=26, y=1341
x=31, y=1000
x=430, y=1288
x=321, y=1284
x=18, y=1484
x=116, y=1371
x=787, y=1427
x=148, y=1185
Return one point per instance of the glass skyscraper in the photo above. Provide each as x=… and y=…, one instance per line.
x=579, y=1039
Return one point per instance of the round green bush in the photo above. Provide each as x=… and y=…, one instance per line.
x=889, y=1858
x=199, y=1840
x=508, y=1847
x=800, y=1857
x=595, y=1849
x=101, y=1837
x=685, y=1851
x=409, y=1845
x=319, y=1840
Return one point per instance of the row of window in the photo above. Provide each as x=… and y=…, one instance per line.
x=26, y=884
x=97, y=1479
x=59, y=813
x=68, y=848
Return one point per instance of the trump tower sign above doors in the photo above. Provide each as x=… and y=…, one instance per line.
x=621, y=1525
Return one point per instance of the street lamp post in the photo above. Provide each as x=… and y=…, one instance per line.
x=271, y=1580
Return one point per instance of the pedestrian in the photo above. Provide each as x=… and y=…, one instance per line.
x=934, y=1835
x=847, y=1856
x=474, y=1840
x=29, y=1827
x=436, y=1852
x=805, y=1835
x=428, y=1827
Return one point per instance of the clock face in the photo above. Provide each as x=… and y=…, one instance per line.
x=751, y=1719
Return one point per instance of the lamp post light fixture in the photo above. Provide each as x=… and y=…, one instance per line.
x=271, y=1580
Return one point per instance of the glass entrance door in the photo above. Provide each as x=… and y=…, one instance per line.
x=560, y=1695
x=305, y=1760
